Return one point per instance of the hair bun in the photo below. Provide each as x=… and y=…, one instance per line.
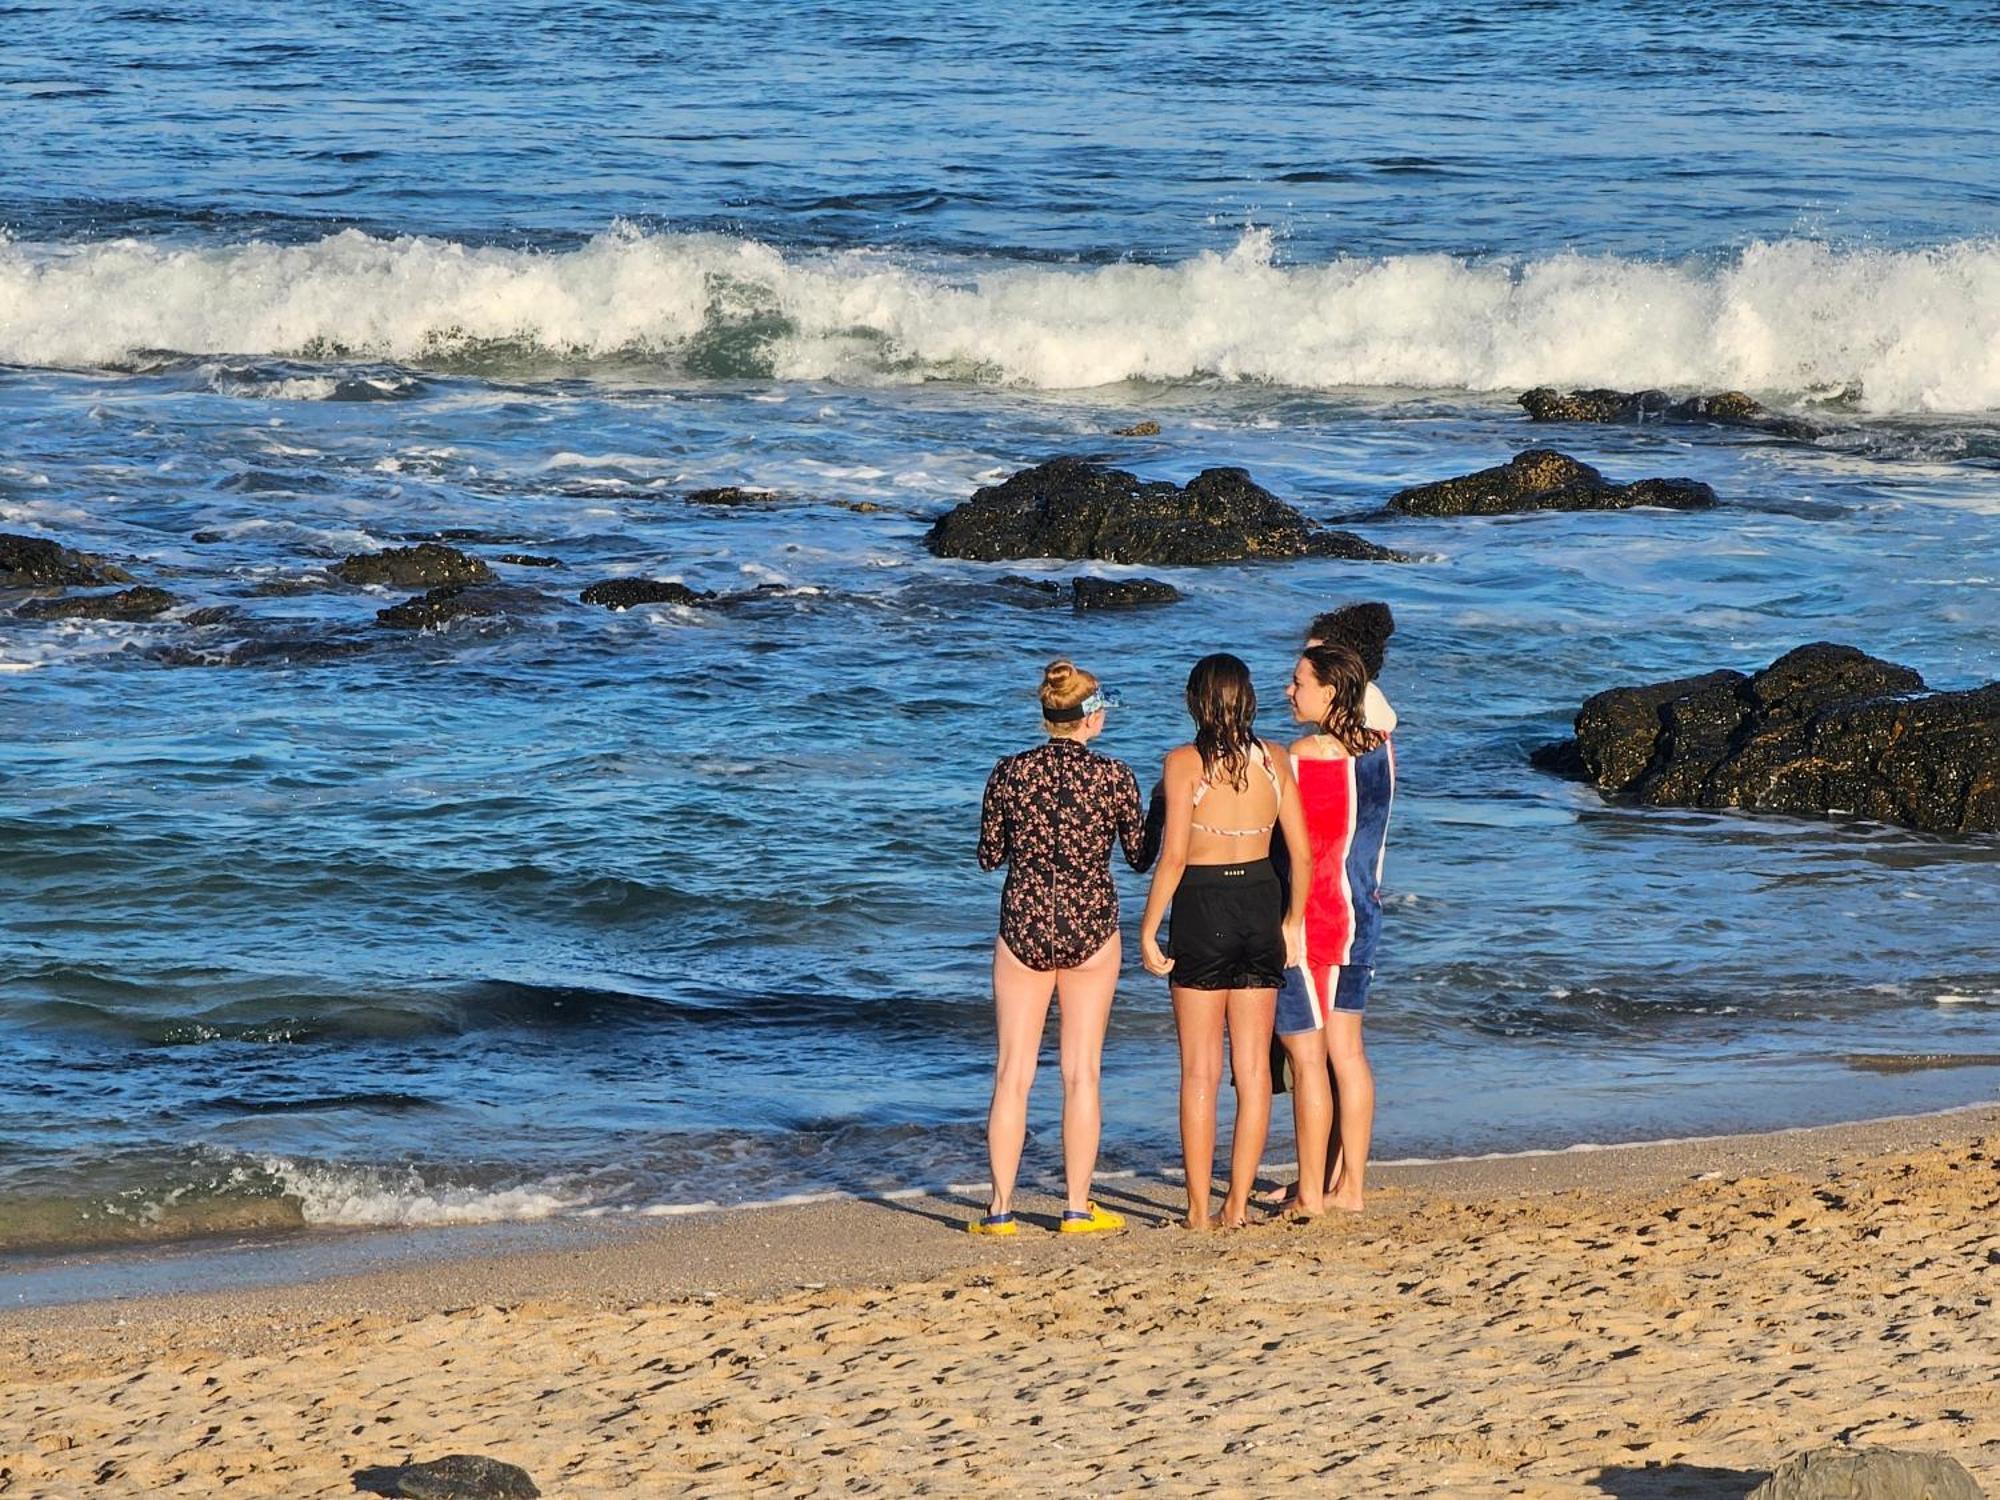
x=1065, y=684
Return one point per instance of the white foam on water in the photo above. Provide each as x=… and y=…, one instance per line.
x=1910, y=330
x=354, y=1198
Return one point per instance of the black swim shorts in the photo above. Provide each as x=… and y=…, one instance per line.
x=1226, y=930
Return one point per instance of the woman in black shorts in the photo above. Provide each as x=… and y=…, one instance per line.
x=1233, y=933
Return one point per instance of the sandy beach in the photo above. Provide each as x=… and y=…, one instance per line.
x=1646, y=1322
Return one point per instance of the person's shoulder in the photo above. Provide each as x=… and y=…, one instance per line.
x=1182, y=759
x=1310, y=747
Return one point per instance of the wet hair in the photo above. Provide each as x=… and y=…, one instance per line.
x=1223, y=704
x=1363, y=629
x=1337, y=667
x=1064, y=685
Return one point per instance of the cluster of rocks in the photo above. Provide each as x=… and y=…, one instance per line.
x=33, y=562
x=1543, y=479
x=1723, y=409
x=1072, y=508
x=1825, y=729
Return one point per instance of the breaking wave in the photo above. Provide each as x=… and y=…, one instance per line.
x=1886, y=330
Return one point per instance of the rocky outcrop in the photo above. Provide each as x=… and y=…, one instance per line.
x=426, y=565
x=1723, y=409
x=1147, y=428
x=1869, y=1474
x=625, y=593
x=438, y=607
x=1071, y=508
x=456, y=1476
x=28, y=562
x=1543, y=479
x=530, y=560
x=140, y=603
x=1824, y=729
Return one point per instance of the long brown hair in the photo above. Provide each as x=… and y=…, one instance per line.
x=1223, y=704
x=1336, y=667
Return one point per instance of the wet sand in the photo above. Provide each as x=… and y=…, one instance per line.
x=1645, y=1322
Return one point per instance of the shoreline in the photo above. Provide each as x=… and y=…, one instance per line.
x=130, y=1273
x=1648, y=1322
x=756, y=1249
x=227, y=1265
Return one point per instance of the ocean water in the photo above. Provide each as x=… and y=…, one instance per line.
x=308, y=923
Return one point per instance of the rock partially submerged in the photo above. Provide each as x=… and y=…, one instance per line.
x=1543, y=479
x=426, y=565
x=140, y=603
x=732, y=494
x=1071, y=508
x=1723, y=409
x=1824, y=729
x=1147, y=428
x=1120, y=593
x=1869, y=1474
x=530, y=560
x=1096, y=593
x=436, y=608
x=625, y=593
x=36, y=562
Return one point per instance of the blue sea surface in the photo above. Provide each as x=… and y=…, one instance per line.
x=306, y=922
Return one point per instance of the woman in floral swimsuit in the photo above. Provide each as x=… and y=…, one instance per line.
x=1050, y=815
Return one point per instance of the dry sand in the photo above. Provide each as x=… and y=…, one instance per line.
x=1657, y=1322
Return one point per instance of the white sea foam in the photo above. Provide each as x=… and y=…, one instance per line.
x=346, y=1196
x=1908, y=330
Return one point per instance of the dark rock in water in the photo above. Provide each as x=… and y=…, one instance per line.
x=209, y=538
x=211, y=614
x=140, y=603
x=530, y=560
x=35, y=561
x=1147, y=428
x=457, y=1476
x=286, y=588
x=1724, y=409
x=1825, y=730
x=271, y=651
x=1543, y=479
x=624, y=593
x=730, y=494
x=1869, y=1474
x=1073, y=509
x=1120, y=593
x=437, y=608
x=426, y=565
x=1050, y=590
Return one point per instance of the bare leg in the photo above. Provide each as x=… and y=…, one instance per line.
x=1312, y=1116
x=1356, y=1084
x=1020, y=1010
x=1084, y=993
x=1251, y=1013
x=1198, y=1019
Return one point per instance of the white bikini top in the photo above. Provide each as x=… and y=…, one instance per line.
x=1201, y=791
